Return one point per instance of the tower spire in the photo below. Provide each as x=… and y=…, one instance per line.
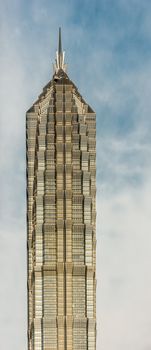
x=59, y=61
x=60, y=54
x=60, y=43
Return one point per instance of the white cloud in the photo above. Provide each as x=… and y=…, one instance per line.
x=124, y=281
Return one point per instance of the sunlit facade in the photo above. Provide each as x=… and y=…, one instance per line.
x=61, y=217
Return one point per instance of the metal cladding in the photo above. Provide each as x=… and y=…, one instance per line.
x=61, y=218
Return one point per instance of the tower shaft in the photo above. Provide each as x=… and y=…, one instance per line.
x=61, y=218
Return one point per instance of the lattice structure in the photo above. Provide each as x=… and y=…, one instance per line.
x=61, y=219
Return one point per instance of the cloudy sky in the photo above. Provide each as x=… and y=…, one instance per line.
x=108, y=51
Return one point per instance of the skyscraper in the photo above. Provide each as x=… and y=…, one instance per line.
x=61, y=216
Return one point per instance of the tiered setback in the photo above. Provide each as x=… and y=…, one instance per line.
x=61, y=220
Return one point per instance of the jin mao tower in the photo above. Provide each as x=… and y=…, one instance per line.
x=61, y=216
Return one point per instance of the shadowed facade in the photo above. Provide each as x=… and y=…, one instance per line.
x=61, y=217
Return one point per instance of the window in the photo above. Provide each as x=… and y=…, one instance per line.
x=78, y=244
x=59, y=118
x=78, y=292
x=77, y=209
x=75, y=142
x=83, y=143
x=59, y=133
x=85, y=161
x=86, y=183
x=87, y=210
x=76, y=182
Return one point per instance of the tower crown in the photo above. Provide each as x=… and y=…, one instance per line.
x=60, y=56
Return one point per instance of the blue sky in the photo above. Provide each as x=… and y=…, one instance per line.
x=108, y=51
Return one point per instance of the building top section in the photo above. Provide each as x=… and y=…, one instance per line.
x=60, y=78
x=60, y=56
